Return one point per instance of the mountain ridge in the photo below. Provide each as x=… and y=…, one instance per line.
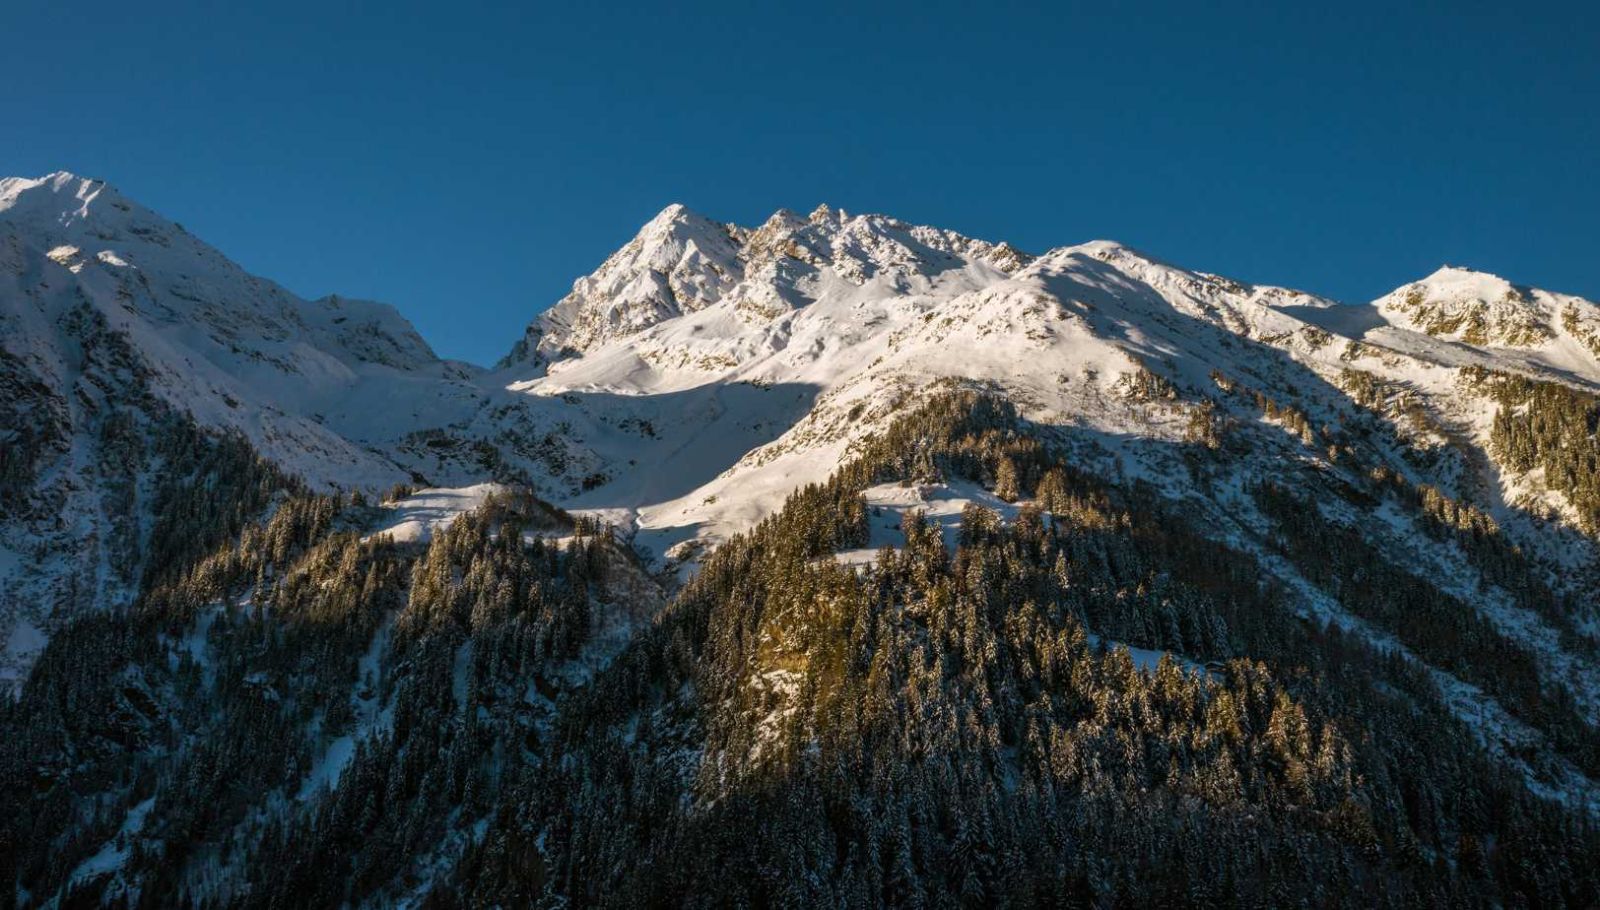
x=837, y=511
x=842, y=314
x=743, y=363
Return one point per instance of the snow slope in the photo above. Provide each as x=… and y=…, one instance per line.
x=330, y=388
x=767, y=363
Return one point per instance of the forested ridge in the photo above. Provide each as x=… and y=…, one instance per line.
x=509, y=715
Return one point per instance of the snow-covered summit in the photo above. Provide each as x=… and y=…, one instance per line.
x=678, y=263
x=118, y=322
x=681, y=262
x=1486, y=311
x=162, y=273
x=1471, y=306
x=62, y=197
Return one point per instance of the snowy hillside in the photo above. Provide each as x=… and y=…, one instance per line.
x=118, y=321
x=783, y=345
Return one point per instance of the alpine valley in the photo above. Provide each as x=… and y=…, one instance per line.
x=833, y=562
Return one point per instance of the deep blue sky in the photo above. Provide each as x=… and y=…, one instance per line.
x=467, y=163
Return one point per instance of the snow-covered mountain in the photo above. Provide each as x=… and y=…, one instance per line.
x=117, y=319
x=706, y=370
x=800, y=337
x=1403, y=496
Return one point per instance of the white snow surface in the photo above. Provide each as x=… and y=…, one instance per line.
x=110, y=858
x=941, y=504
x=415, y=518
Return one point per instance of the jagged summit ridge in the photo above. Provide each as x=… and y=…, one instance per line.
x=853, y=312
x=681, y=262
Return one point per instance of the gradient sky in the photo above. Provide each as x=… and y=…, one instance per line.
x=467, y=163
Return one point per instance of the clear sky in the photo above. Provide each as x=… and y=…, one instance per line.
x=466, y=162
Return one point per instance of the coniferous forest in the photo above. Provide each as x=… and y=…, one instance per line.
x=1092, y=703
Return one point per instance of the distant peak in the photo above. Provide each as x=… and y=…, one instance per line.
x=824, y=214
x=672, y=212
x=1448, y=271
x=55, y=181
x=62, y=178
x=678, y=213
x=1107, y=246
x=783, y=221
x=1463, y=282
x=1099, y=249
x=785, y=218
x=61, y=196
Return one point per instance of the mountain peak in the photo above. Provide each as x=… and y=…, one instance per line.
x=1459, y=273
x=673, y=213
x=677, y=216
x=679, y=262
x=785, y=218
x=63, y=178
x=824, y=214
x=663, y=238
x=1476, y=307
x=1103, y=245
x=53, y=182
x=1454, y=282
x=1106, y=250
x=59, y=196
